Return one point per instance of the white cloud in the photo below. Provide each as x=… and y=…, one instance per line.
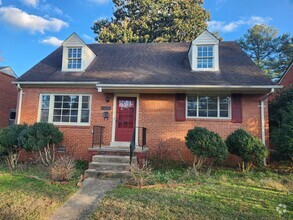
x=54, y=41
x=20, y=19
x=51, y=8
x=32, y=3
x=99, y=2
x=88, y=38
x=0, y=2
x=223, y=26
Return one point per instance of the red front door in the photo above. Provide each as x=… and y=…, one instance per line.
x=125, y=118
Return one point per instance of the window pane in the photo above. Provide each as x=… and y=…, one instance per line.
x=73, y=119
x=192, y=106
x=56, y=118
x=224, y=114
x=84, y=116
x=65, y=118
x=45, y=108
x=57, y=104
x=45, y=115
x=212, y=113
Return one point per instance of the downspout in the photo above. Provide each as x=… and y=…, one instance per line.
x=19, y=103
x=262, y=113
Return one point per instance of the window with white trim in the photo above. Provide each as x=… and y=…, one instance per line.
x=65, y=109
x=74, y=58
x=208, y=106
x=205, y=57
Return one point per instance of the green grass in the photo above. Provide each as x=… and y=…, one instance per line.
x=22, y=197
x=223, y=194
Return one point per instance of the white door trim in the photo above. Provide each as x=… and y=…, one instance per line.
x=122, y=143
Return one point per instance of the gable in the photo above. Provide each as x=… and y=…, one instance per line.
x=205, y=38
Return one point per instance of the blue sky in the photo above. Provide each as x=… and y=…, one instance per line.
x=32, y=29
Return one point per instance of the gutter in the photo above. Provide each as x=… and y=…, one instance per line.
x=147, y=86
x=19, y=103
x=262, y=114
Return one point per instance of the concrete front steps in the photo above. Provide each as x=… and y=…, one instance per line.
x=109, y=166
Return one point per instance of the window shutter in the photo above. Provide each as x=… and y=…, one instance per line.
x=180, y=107
x=236, y=108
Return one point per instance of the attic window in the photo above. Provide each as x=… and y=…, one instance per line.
x=205, y=57
x=74, y=58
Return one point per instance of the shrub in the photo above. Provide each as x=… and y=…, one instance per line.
x=41, y=138
x=205, y=144
x=249, y=148
x=140, y=176
x=281, y=122
x=62, y=169
x=9, y=144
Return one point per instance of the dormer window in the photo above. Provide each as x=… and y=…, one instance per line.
x=205, y=57
x=203, y=53
x=74, y=58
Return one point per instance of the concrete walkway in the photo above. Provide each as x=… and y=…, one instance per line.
x=82, y=204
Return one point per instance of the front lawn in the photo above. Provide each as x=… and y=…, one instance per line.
x=24, y=197
x=223, y=194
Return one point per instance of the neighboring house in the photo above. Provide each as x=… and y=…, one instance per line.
x=8, y=96
x=166, y=88
x=287, y=78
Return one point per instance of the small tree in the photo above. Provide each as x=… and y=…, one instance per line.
x=249, y=148
x=281, y=122
x=9, y=143
x=205, y=144
x=42, y=138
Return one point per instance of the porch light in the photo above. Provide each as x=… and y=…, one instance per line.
x=107, y=99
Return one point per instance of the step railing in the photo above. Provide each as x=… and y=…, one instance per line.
x=141, y=141
x=97, y=132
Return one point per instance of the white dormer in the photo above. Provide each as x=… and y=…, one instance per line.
x=76, y=56
x=203, y=54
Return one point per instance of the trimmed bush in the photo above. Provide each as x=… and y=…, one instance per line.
x=205, y=144
x=249, y=148
x=9, y=144
x=42, y=138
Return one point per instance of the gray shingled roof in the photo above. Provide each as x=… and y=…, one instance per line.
x=156, y=63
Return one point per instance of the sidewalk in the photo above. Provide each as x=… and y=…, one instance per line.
x=82, y=204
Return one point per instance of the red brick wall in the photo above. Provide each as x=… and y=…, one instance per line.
x=8, y=97
x=156, y=113
x=288, y=78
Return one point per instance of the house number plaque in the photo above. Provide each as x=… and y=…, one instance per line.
x=106, y=108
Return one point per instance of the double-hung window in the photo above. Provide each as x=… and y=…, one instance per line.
x=208, y=106
x=205, y=57
x=74, y=58
x=65, y=109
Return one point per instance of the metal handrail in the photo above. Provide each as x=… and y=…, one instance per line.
x=97, y=136
x=133, y=140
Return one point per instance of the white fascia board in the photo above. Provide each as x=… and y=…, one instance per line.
x=132, y=86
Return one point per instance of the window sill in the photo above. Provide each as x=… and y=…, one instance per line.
x=83, y=126
x=209, y=119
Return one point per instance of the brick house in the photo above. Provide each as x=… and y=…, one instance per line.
x=160, y=90
x=8, y=96
x=286, y=79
